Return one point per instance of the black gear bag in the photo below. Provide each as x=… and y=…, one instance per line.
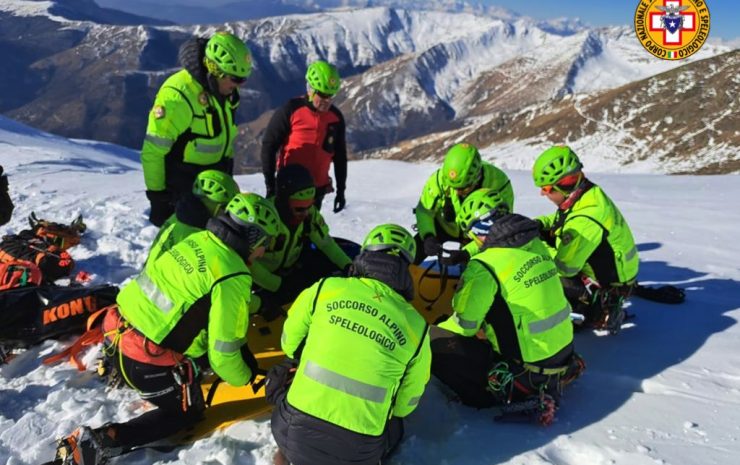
x=28, y=315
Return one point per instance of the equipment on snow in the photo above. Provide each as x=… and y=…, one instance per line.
x=664, y=294
x=19, y=273
x=539, y=409
x=32, y=314
x=44, y=245
x=61, y=235
x=54, y=262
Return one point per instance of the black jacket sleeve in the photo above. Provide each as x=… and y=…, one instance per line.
x=275, y=136
x=340, y=153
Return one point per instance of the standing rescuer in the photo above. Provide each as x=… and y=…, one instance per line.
x=309, y=130
x=360, y=355
x=594, y=249
x=192, y=123
x=190, y=302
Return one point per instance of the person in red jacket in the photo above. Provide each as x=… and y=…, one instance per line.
x=309, y=131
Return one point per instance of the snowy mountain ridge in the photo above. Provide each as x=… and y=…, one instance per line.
x=408, y=74
x=666, y=390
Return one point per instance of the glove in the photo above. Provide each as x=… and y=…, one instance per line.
x=161, y=207
x=278, y=380
x=251, y=362
x=456, y=257
x=339, y=201
x=432, y=246
x=270, y=308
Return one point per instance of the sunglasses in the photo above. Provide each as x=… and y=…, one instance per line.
x=236, y=79
x=564, y=185
x=323, y=96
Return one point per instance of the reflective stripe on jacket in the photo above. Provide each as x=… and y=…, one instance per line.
x=189, y=130
x=366, y=356
x=193, y=299
x=594, y=238
x=516, y=295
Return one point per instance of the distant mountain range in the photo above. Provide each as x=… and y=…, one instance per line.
x=221, y=11
x=416, y=81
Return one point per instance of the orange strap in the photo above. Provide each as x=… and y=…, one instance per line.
x=93, y=336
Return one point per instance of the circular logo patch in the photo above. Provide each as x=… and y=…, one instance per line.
x=452, y=174
x=672, y=29
x=203, y=98
x=158, y=111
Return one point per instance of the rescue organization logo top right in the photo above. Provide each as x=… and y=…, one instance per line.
x=672, y=29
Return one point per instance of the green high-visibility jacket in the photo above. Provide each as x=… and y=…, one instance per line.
x=193, y=299
x=593, y=237
x=189, y=130
x=171, y=232
x=515, y=294
x=366, y=356
x=286, y=247
x=441, y=203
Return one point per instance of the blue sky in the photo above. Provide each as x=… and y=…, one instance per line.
x=724, y=23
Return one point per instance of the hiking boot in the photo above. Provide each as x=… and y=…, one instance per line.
x=85, y=446
x=614, y=319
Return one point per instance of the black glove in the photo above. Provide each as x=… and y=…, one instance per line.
x=161, y=207
x=278, y=380
x=251, y=362
x=339, y=202
x=270, y=307
x=432, y=246
x=456, y=257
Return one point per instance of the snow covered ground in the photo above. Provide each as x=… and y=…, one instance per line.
x=665, y=391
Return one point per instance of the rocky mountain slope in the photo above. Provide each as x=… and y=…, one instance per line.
x=410, y=75
x=686, y=120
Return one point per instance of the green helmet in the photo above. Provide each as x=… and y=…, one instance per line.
x=215, y=186
x=393, y=238
x=553, y=164
x=229, y=54
x=323, y=77
x=483, y=205
x=255, y=216
x=462, y=166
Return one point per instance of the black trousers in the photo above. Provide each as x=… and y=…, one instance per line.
x=465, y=363
x=311, y=266
x=159, y=386
x=307, y=440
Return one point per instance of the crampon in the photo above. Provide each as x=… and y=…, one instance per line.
x=536, y=409
x=83, y=447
